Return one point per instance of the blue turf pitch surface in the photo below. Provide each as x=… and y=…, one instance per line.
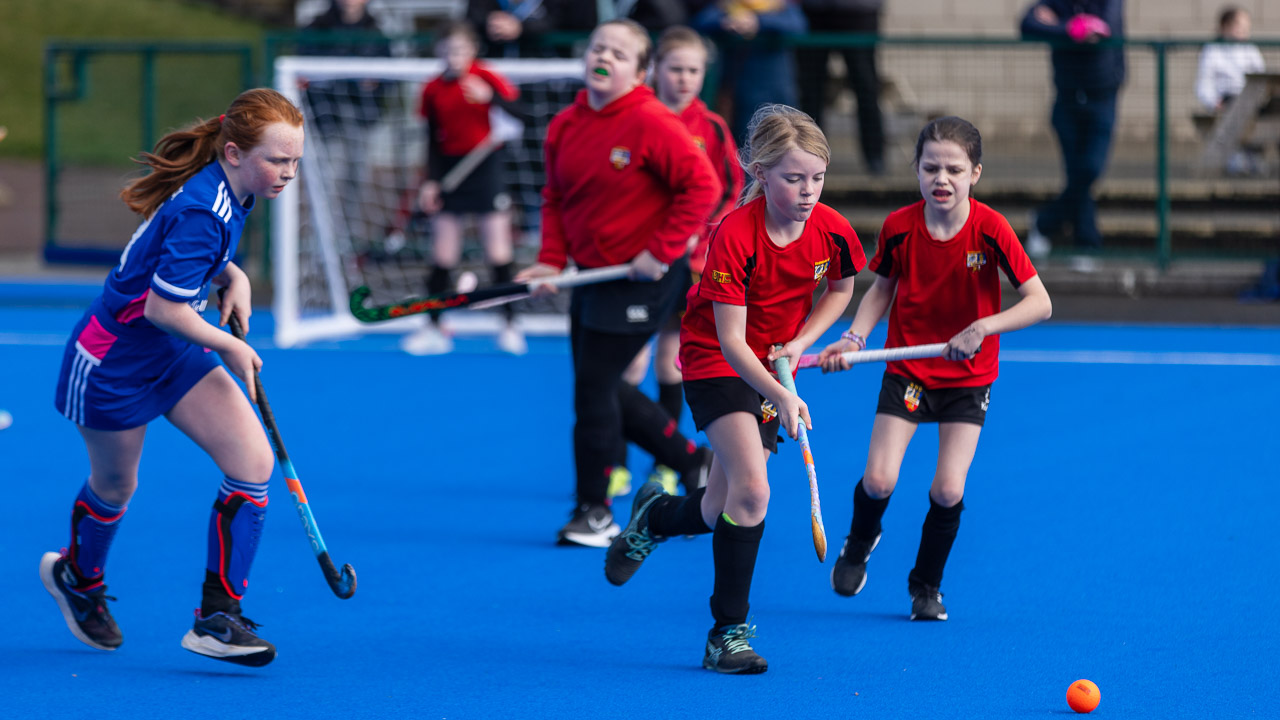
x=1119, y=527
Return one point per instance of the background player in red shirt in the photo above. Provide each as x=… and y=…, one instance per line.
x=766, y=259
x=625, y=184
x=943, y=257
x=679, y=70
x=456, y=107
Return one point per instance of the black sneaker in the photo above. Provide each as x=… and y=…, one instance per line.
x=849, y=575
x=229, y=637
x=729, y=652
x=696, y=477
x=926, y=602
x=86, y=613
x=590, y=525
x=633, y=544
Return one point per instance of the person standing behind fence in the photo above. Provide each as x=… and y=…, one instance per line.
x=857, y=16
x=511, y=28
x=1087, y=79
x=756, y=66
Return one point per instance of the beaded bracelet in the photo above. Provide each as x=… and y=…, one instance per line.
x=855, y=338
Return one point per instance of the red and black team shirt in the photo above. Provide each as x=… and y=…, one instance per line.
x=776, y=284
x=944, y=285
x=458, y=126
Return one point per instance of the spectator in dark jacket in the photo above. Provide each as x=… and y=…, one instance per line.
x=1087, y=77
x=756, y=65
x=512, y=28
x=346, y=29
x=856, y=16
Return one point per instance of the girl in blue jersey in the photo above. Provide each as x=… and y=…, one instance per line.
x=142, y=350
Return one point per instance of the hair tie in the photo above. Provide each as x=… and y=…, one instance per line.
x=222, y=117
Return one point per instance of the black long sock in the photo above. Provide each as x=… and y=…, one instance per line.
x=502, y=275
x=646, y=424
x=671, y=398
x=673, y=515
x=936, y=537
x=439, y=280
x=734, y=548
x=867, y=512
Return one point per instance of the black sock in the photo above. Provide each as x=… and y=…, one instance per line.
x=671, y=398
x=867, y=512
x=734, y=548
x=647, y=425
x=502, y=275
x=673, y=515
x=439, y=281
x=936, y=536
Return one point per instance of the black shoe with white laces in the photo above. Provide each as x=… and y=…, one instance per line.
x=696, y=476
x=591, y=526
x=229, y=636
x=926, y=602
x=85, y=611
x=849, y=575
x=729, y=652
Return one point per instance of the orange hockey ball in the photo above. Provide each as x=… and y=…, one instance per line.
x=1083, y=696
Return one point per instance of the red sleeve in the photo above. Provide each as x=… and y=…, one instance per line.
x=683, y=167
x=1014, y=261
x=728, y=165
x=554, y=249
x=883, y=262
x=500, y=84
x=850, y=258
x=724, y=279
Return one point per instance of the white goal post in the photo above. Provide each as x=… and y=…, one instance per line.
x=351, y=218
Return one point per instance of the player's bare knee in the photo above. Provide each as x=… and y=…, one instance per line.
x=114, y=487
x=879, y=485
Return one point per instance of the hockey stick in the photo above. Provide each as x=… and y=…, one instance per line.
x=911, y=352
x=343, y=584
x=456, y=299
x=503, y=128
x=782, y=366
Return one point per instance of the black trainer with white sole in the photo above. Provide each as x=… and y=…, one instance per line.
x=230, y=637
x=849, y=575
x=85, y=612
x=589, y=526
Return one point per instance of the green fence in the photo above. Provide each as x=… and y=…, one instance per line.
x=1156, y=202
x=104, y=103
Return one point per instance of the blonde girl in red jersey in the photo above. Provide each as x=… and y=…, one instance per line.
x=625, y=184
x=937, y=265
x=765, y=260
x=680, y=67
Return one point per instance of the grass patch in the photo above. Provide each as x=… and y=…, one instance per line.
x=107, y=125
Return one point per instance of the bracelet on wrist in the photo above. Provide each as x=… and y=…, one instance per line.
x=854, y=338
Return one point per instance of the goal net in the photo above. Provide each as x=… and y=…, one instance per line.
x=351, y=217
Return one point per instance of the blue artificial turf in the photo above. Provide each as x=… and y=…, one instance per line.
x=1119, y=527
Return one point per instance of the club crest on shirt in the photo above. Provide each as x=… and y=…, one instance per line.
x=720, y=276
x=702, y=144
x=619, y=157
x=911, y=398
x=767, y=411
x=820, y=270
x=975, y=259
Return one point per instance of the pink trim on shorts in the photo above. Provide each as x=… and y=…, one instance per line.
x=95, y=339
x=134, y=309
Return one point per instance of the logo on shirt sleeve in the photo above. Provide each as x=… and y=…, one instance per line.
x=619, y=157
x=720, y=276
x=820, y=270
x=975, y=259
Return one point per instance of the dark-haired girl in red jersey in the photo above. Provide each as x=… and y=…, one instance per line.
x=942, y=257
x=765, y=261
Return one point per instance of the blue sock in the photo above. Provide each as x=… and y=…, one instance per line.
x=93, y=526
x=235, y=526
